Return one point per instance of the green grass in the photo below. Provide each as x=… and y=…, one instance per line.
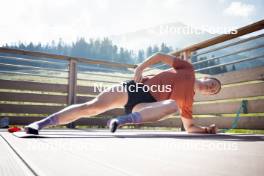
x=245, y=131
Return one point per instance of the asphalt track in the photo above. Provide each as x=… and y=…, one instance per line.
x=131, y=152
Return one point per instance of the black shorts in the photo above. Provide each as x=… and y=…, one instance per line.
x=136, y=96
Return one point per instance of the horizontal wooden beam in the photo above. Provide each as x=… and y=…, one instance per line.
x=246, y=90
x=169, y=122
x=83, y=99
x=92, y=90
x=45, y=87
x=63, y=57
x=95, y=121
x=222, y=38
x=36, y=98
x=254, y=106
x=244, y=75
x=43, y=109
x=29, y=109
x=22, y=120
x=33, y=86
x=25, y=120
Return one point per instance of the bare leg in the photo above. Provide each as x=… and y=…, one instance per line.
x=105, y=101
x=151, y=112
x=109, y=99
x=145, y=112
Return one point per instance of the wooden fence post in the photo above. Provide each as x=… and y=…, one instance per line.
x=72, y=86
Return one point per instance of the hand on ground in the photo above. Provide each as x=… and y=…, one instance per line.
x=212, y=129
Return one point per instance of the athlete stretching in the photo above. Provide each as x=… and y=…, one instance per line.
x=146, y=99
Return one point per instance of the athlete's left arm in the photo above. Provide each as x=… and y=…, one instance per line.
x=190, y=127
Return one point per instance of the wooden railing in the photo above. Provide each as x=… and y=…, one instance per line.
x=222, y=38
x=41, y=104
x=26, y=100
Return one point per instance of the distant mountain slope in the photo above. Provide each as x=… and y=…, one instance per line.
x=177, y=35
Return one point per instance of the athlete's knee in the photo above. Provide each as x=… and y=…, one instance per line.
x=171, y=106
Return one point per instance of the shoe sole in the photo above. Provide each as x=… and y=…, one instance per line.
x=113, y=127
x=29, y=130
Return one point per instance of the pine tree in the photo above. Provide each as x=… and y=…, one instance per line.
x=140, y=56
x=149, y=51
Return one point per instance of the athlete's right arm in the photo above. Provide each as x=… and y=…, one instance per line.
x=154, y=59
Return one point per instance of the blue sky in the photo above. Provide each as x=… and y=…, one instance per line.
x=46, y=20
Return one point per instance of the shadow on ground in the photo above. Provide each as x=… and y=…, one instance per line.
x=218, y=137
